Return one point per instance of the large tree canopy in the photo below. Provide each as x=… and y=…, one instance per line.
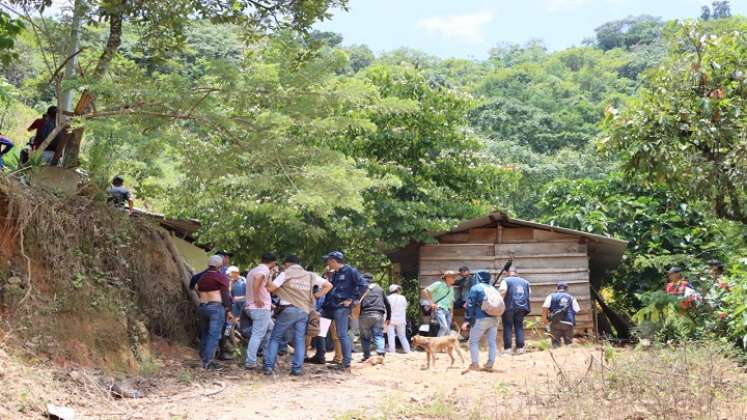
x=687, y=125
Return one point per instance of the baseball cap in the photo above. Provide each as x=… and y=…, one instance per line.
x=215, y=261
x=232, y=269
x=449, y=273
x=337, y=255
x=674, y=269
x=562, y=285
x=393, y=288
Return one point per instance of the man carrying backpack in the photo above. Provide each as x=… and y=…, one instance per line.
x=559, y=310
x=441, y=297
x=515, y=292
x=484, y=306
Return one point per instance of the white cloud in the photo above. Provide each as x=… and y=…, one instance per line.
x=469, y=27
x=559, y=5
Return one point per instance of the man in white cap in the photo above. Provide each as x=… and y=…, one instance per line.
x=215, y=306
x=559, y=312
x=398, y=323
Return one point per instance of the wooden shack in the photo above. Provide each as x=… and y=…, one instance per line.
x=543, y=254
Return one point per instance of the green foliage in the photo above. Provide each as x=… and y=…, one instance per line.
x=686, y=127
x=630, y=32
x=9, y=30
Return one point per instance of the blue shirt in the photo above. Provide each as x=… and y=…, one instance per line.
x=5, y=146
x=239, y=288
x=347, y=283
x=474, y=303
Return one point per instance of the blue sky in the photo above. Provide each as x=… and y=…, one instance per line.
x=469, y=28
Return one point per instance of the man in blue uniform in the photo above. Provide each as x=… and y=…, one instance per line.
x=348, y=287
x=559, y=311
x=515, y=292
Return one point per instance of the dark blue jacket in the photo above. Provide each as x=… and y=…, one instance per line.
x=474, y=303
x=193, y=281
x=347, y=283
x=560, y=299
x=517, y=294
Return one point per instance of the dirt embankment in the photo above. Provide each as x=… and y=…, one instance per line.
x=82, y=284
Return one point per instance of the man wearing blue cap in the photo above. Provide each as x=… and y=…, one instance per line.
x=348, y=287
x=559, y=311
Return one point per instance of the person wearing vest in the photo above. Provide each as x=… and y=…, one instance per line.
x=348, y=287
x=515, y=291
x=375, y=316
x=482, y=323
x=441, y=296
x=294, y=286
x=559, y=311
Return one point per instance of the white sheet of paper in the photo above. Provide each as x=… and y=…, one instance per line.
x=324, y=324
x=424, y=328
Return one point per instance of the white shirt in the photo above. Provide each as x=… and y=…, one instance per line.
x=548, y=302
x=503, y=288
x=280, y=279
x=398, y=304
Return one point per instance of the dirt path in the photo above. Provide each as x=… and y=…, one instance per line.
x=397, y=389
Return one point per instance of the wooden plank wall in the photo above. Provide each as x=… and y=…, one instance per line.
x=542, y=257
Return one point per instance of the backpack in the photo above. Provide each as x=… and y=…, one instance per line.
x=492, y=304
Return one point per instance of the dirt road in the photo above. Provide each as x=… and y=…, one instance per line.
x=397, y=389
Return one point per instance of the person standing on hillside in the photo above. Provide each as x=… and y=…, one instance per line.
x=441, y=297
x=259, y=307
x=515, y=291
x=295, y=287
x=43, y=127
x=348, y=287
x=119, y=195
x=559, y=311
x=483, y=323
x=398, y=323
x=215, y=306
x=376, y=313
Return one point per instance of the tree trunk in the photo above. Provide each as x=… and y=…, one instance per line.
x=72, y=149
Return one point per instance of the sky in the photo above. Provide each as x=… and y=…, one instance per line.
x=469, y=28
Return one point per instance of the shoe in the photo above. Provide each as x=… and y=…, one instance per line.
x=267, y=372
x=315, y=360
x=296, y=373
x=507, y=353
x=474, y=367
x=364, y=359
x=521, y=351
x=251, y=368
x=339, y=367
x=212, y=366
x=487, y=368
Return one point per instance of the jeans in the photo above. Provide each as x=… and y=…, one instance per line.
x=237, y=307
x=444, y=321
x=210, y=317
x=513, y=320
x=261, y=328
x=401, y=334
x=372, y=326
x=341, y=317
x=293, y=319
x=487, y=325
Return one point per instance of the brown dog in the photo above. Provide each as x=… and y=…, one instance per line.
x=433, y=345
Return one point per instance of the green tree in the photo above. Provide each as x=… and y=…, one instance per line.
x=629, y=32
x=686, y=127
x=9, y=30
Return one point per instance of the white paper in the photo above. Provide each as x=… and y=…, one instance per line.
x=424, y=328
x=324, y=324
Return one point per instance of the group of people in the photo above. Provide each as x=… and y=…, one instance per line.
x=558, y=311
x=692, y=295
x=279, y=305
x=42, y=127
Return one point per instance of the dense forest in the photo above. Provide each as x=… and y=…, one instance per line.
x=279, y=137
